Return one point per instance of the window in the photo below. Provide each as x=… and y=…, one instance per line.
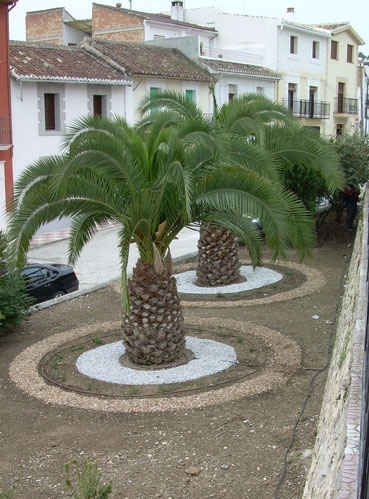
x=99, y=105
x=334, y=50
x=339, y=129
x=159, y=37
x=99, y=100
x=350, y=53
x=315, y=53
x=51, y=110
x=293, y=44
x=260, y=90
x=191, y=95
x=154, y=91
x=232, y=92
x=292, y=87
x=340, y=94
x=312, y=92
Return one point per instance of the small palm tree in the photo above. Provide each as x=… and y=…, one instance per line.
x=153, y=183
x=254, y=120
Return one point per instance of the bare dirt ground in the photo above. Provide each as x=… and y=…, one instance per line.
x=233, y=450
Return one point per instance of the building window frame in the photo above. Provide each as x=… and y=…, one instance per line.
x=232, y=92
x=350, y=53
x=51, y=108
x=334, y=50
x=294, y=41
x=99, y=94
x=315, y=53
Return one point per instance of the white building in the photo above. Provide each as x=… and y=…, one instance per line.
x=300, y=53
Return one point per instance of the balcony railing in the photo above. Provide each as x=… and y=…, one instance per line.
x=232, y=55
x=308, y=109
x=345, y=105
x=5, y=131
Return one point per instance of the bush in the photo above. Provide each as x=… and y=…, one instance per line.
x=353, y=152
x=7, y=492
x=88, y=481
x=14, y=301
x=306, y=183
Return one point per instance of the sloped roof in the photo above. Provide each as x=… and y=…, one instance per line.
x=150, y=60
x=37, y=61
x=336, y=28
x=220, y=66
x=156, y=17
x=318, y=29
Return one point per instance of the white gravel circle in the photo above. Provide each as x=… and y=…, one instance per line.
x=261, y=276
x=102, y=363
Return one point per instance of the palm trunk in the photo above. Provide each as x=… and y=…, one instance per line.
x=153, y=330
x=217, y=261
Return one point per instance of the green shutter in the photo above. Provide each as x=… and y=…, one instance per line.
x=190, y=95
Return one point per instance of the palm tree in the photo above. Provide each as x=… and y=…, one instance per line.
x=252, y=119
x=153, y=183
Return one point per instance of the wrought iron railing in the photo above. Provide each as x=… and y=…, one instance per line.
x=5, y=131
x=308, y=109
x=346, y=105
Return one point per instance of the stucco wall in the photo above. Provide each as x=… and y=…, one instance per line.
x=29, y=144
x=334, y=469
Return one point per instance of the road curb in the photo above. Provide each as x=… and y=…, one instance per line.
x=93, y=289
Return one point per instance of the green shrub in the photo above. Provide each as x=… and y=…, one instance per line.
x=87, y=481
x=6, y=492
x=14, y=301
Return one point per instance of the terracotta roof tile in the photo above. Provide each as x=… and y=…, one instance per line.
x=238, y=67
x=36, y=61
x=142, y=59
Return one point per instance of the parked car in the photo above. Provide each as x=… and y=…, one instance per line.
x=45, y=282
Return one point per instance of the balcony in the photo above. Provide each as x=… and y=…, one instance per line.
x=5, y=131
x=232, y=55
x=308, y=109
x=344, y=105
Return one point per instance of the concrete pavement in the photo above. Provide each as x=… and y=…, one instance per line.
x=99, y=262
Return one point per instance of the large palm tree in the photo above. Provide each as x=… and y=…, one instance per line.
x=153, y=183
x=251, y=119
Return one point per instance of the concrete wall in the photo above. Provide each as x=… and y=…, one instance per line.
x=334, y=469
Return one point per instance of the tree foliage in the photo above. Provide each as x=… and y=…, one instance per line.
x=14, y=301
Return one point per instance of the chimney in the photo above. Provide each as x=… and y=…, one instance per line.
x=290, y=14
x=177, y=12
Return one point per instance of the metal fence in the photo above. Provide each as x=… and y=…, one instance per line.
x=308, y=109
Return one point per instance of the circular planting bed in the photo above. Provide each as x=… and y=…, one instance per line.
x=280, y=282
x=263, y=360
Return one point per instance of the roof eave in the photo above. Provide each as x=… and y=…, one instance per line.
x=348, y=27
x=62, y=79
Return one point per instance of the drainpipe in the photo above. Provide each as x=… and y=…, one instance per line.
x=278, y=47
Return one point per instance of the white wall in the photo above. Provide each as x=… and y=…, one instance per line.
x=245, y=85
x=249, y=34
x=29, y=145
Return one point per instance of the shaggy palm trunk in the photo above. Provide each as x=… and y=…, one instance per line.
x=153, y=330
x=217, y=261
